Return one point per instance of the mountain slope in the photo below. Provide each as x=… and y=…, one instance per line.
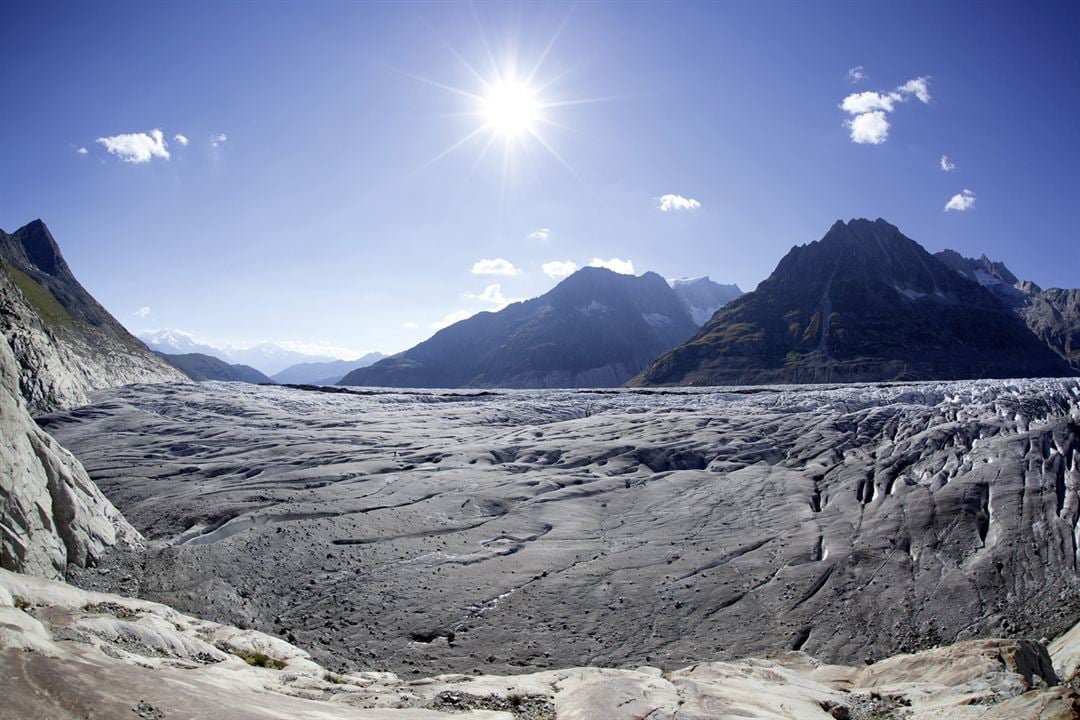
x=65, y=342
x=1053, y=315
x=594, y=329
x=864, y=303
x=198, y=367
x=324, y=373
x=177, y=342
x=702, y=297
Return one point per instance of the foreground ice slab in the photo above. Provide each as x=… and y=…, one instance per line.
x=433, y=532
x=67, y=653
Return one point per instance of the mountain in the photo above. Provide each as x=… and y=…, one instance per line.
x=65, y=343
x=596, y=328
x=198, y=367
x=267, y=358
x=324, y=373
x=1053, y=315
x=993, y=276
x=702, y=297
x=178, y=342
x=270, y=358
x=864, y=303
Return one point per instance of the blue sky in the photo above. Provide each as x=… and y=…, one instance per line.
x=321, y=219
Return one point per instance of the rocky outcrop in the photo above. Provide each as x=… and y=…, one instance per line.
x=65, y=343
x=1054, y=316
x=68, y=653
x=863, y=304
x=51, y=514
x=596, y=328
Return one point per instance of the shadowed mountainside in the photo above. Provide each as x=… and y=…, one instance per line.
x=864, y=303
x=594, y=329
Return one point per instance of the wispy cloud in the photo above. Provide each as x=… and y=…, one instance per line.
x=946, y=164
x=217, y=139
x=856, y=74
x=143, y=311
x=81, y=151
x=182, y=139
x=677, y=202
x=409, y=325
x=540, y=234
x=624, y=267
x=869, y=124
x=494, y=266
x=559, y=268
x=962, y=201
x=136, y=147
x=456, y=316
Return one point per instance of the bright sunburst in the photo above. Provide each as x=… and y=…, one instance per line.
x=511, y=109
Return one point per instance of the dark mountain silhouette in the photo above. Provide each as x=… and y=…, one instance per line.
x=864, y=303
x=324, y=373
x=594, y=329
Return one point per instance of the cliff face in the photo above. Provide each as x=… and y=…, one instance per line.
x=65, y=343
x=51, y=513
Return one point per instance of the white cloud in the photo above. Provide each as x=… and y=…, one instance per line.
x=614, y=264
x=961, y=201
x=217, y=139
x=864, y=102
x=409, y=325
x=493, y=294
x=871, y=127
x=540, y=234
x=946, y=164
x=81, y=151
x=136, y=147
x=143, y=311
x=677, y=202
x=919, y=87
x=456, y=316
x=182, y=139
x=495, y=266
x=856, y=74
x=559, y=268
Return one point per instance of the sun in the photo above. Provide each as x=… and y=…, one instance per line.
x=510, y=109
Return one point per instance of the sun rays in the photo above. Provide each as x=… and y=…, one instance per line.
x=513, y=111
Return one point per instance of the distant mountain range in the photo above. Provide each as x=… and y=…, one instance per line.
x=199, y=367
x=702, y=297
x=864, y=303
x=596, y=328
x=65, y=343
x=324, y=373
x=267, y=358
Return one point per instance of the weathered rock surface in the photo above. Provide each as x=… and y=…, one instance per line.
x=66, y=653
x=51, y=514
x=65, y=343
x=515, y=531
x=596, y=328
x=864, y=303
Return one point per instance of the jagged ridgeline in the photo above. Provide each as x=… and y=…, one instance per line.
x=864, y=303
x=65, y=343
